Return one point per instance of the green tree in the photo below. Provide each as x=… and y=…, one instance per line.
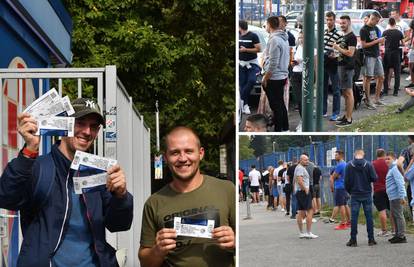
x=245, y=151
x=178, y=52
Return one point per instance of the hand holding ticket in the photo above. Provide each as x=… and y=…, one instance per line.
x=90, y=163
x=193, y=227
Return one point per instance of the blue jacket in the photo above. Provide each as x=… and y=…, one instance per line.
x=359, y=174
x=41, y=229
x=394, y=183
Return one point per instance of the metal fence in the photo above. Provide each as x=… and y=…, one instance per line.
x=125, y=138
x=321, y=153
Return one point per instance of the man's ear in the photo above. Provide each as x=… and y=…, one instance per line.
x=201, y=153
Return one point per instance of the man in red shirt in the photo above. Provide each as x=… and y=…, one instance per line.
x=241, y=175
x=381, y=201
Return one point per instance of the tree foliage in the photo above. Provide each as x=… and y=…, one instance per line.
x=178, y=52
x=245, y=151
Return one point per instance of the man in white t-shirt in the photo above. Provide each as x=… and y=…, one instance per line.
x=254, y=178
x=400, y=24
x=275, y=181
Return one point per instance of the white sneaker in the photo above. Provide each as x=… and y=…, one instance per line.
x=246, y=109
x=303, y=235
x=312, y=236
x=314, y=220
x=383, y=233
x=282, y=210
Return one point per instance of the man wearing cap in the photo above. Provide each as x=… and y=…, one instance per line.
x=65, y=229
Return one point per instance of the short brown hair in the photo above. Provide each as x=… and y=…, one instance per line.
x=391, y=154
x=176, y=129
x=273, y=22
x=380, y=152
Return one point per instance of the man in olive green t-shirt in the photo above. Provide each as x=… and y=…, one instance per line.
x=194, y=197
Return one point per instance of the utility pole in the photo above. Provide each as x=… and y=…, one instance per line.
x=320, y=71
x=308, y=67
x=157, y=125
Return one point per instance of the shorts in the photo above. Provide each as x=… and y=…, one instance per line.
x=304, y=201
x=316, y=193
x=411, y=56
x=381, y=201
x=275, y=192
x=345, y=78
x=254, y=189
x=266, y=189
x=373, y=67
x=341, y=197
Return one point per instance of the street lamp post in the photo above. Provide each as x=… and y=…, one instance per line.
x=320, y=71
x=273, y=144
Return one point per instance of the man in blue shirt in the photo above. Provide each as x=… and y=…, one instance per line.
x=341, y=196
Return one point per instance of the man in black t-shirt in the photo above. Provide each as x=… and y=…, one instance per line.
x=346, y=48
x=392, y=60
x=249, y=46
x=370, y=41
x=291, y=195
x=316, y=198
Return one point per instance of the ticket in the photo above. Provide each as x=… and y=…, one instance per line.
x=90, y=183
x=40, y=105
x=86, y=161
x=56, y=126
x=193, y=227
x=67, y=105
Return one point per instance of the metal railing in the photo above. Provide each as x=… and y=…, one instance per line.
x=126, y=137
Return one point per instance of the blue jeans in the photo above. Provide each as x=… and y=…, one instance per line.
x=294, y=204
x=247, y=79
x=366, y=202
x=333, y=75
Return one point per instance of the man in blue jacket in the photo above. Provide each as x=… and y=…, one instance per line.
x=395, y=187
x=359, y=176
x=65, y=229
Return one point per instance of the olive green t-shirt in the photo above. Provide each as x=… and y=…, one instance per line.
x=213, y=200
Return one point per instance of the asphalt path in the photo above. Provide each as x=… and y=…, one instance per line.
x=271, y=239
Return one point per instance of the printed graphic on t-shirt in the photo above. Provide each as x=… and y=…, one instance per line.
x=373, y=35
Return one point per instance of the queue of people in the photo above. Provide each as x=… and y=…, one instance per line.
x=344, y=61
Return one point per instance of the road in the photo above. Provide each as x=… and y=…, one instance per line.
x=271, y=239
x=361, y=112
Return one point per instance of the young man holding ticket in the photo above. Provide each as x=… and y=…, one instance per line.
x=60, y=227
x=191, y=221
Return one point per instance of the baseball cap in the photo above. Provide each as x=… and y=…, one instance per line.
x=86, y=106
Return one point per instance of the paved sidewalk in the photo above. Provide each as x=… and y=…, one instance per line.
x=271, y=239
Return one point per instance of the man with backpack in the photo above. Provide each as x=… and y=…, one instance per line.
x=61, y=228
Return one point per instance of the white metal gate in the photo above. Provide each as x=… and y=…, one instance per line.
x=125, y=138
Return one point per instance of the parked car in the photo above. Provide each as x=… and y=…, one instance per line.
x=354, y=14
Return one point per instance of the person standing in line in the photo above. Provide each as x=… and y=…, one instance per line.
x=241, y=175
x=346, y=69
x=281, y=187
x=276, y=72
x=370, y=42
x=288, y=189
x=341, y=196
x=254, y=179
x=396, y=193
x=381, y=200
x=317, y=177
x=290, y=174
x=270, y=183
x=359, y=176
x=265, y=184
x=392, y=56
x=304, y=198
x=403, y=163
x=249, y=46
x=331, y=36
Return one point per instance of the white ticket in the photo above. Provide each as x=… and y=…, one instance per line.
x=90, y=183
x=40, y=105
x=83, y=159
x=193, y=227
x=67, y=105
x=56, y=126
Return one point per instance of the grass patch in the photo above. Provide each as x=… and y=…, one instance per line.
x=385, y=121
x=327, y=211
